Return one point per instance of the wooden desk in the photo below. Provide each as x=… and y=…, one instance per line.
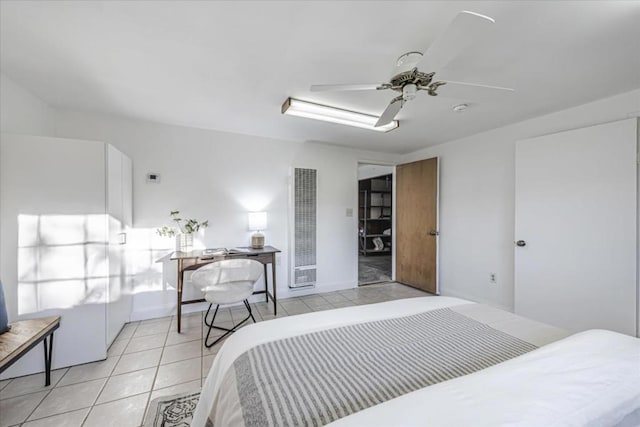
x=194, y=259
x=23, y=336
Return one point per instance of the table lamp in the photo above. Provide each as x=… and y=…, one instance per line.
x=257, y=223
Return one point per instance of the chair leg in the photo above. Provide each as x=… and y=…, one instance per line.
x=228, y=331
x=246, y=304
x=206, y=340
x=214, y=315
x=212, y=326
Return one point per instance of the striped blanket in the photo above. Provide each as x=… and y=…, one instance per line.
x=316, y=378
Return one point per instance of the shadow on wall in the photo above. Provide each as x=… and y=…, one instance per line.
x=63, y=262
x=64, y=270
x=149, y=267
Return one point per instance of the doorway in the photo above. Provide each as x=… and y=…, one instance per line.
x=375, y=219
x=417, y=224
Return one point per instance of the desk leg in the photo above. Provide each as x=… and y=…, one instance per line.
x=266, y=284
x=48, y=352
x=273, y=283
x=179, y=302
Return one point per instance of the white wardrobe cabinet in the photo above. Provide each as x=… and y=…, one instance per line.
x=65, y=208
x=119, y=209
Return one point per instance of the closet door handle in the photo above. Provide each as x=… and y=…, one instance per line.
x=434, y=233
x=521, y=243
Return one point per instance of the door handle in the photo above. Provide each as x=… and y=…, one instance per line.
x=434, y=233
x=521, y=243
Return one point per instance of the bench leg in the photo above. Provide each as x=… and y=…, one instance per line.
x=47, y=359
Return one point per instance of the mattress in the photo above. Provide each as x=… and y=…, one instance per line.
x=371, y=365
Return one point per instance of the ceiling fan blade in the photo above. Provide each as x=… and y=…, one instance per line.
x=390, y=112
x=465, y=29
x=473, y=91
x=322, y=88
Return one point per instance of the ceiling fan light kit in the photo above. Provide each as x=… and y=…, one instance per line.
x=465, y=30
x=311, y=110
x=409, y=60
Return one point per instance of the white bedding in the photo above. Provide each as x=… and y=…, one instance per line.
x=589, y=379
x=543, y=383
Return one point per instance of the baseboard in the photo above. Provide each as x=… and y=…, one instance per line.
x=165, y=311
x=317, y=289
x=170, y=310
x=455, y=294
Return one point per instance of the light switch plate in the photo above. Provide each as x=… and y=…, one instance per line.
x=349, y=212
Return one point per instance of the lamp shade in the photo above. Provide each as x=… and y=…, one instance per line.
x=257, y=221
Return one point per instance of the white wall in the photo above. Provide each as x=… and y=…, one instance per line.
x=220, y=177
x=22, y=112
x=477, y=198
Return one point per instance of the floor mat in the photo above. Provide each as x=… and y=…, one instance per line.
x=172, y=411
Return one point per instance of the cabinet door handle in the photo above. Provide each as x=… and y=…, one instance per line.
x=434, y=233
x=521, y=243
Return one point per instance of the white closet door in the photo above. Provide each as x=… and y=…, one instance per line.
x=576, y=212
x=119, y=303
x=127, y=218
x=127, y=191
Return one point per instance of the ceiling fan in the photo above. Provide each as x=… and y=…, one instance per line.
x=464, y=30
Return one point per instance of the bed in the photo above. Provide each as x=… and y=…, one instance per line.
x=420, y=361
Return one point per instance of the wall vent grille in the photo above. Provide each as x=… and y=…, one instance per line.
x=304, y=230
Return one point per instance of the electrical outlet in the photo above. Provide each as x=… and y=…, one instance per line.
x=492, y=278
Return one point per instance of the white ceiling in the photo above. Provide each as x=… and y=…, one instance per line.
x=230, y=65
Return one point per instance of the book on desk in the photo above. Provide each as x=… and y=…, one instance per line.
x=223, y=252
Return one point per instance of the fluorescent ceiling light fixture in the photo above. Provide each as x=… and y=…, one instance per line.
x=310, y=110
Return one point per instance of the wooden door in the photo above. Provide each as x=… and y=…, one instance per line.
x=416, y=224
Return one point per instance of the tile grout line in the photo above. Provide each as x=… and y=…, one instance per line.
x=118, y=399
x=146, y=407
x=155, y=376
x=91, y=407
x=55, y=387
x=58, y=382
x=42, y=400
x=110, y=374
x=7, y=383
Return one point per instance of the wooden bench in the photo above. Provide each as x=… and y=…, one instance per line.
x=23, y=336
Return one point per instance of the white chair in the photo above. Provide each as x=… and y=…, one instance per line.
x=227, y=282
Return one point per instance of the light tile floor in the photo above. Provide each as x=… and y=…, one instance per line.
x=150, y=359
